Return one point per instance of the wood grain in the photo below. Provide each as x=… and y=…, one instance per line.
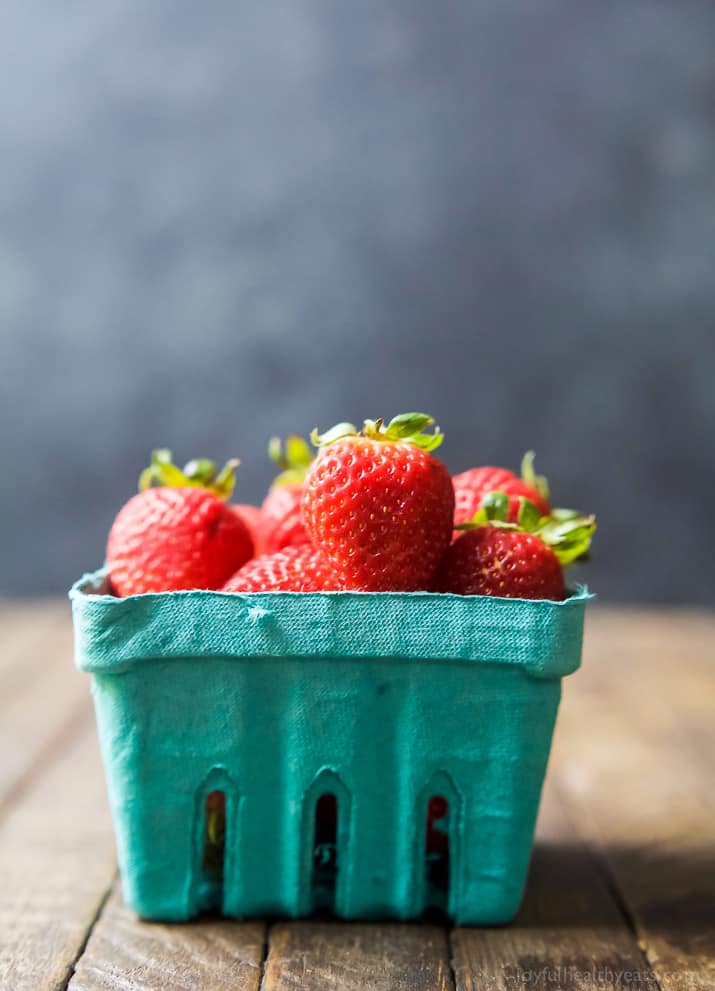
x=624, y=854
x=339, y=956
x=56, y=864
x=22, y=626
x=630, y=764
x=211, y=955
x=43, y=698
x=570, y=932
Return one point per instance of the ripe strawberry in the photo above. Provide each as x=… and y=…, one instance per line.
x=179, y=535
x=509, y=563
x=282, y=518
x=471, y=486
x=294, y=569
x=281, y=513
x=251, y=516
x=379, y=505
x=437, y=836
x=516, y=561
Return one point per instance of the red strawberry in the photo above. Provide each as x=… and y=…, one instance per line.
x=281, y=513
x=379, y=505
x=437, y=837
x=282, y=518
x=180, y=535
x=251, y=516
x=494, y=561
x=471, y=486
x=521, y=561
x=294, y=569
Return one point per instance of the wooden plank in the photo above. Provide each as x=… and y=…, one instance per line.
x=671, y=656
x=629, y=759
x=22, y=625
x=15, y=612
x=56, y=864
x=662, y=670
x=45, y=701
x=639, y=785
x=211, y=955
x=342, y=956
x=569, y=933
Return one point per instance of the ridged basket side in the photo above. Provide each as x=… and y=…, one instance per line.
x=274, y=735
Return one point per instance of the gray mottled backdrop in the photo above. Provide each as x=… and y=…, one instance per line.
x=220, y=221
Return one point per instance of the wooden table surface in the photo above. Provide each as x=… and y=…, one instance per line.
x=621, y=892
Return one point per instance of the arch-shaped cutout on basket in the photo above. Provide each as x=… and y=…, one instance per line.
x=215, y=821
x=326, y=824
x=438, y=826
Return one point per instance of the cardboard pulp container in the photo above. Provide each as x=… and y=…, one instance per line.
x=324, y=726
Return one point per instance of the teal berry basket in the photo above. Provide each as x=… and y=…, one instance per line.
x=373, y=755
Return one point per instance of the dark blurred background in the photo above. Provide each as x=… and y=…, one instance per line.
x=222, y=221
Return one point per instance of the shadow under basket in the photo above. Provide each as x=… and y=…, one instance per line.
x=366, y=755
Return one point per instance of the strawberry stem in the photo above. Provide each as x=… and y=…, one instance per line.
x=198, y=473
x=528, y=475
x=338, y=432
x=293, y=458
x=565, y=531
x=406, y=428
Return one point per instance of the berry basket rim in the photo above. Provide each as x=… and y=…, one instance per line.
x=113, y=635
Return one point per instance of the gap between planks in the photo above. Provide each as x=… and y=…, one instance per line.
x=638, y=784
x=569, y=921
x=476, y=956
x=123, y=952
x=570, y=931
x=56, y=863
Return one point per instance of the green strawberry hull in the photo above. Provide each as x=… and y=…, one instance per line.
x=382, y=701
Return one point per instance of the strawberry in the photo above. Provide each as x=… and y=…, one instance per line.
x=379, y=504
x=437, y=836
x=471, y=486
x=493, y=561
x=179, y=535
x=282, y=518
x=251, y=516
x=516, y=561
x=281, y=513
x=294, y=569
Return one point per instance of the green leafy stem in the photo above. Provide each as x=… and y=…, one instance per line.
x=198, y=473
x=566, y=531
x=407, y=428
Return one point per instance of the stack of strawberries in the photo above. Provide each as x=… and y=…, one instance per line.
x=374, y=511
